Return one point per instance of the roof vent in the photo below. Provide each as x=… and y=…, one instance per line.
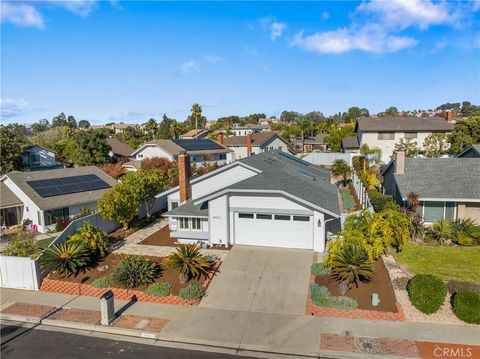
x=294, y=158
x=307, y=174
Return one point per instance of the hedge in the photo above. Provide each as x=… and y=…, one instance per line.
x=466, y=306
x=427, y=292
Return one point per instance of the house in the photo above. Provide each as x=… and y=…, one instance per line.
x=200, y=133
x=270, y=199
x=45, y=197
x=309, y=144
x=384, y=133
x=202, y=151
x=350, y=145
x=244, y=146
x=117, y=127
x=40, y=158
x=239, y=130
x=118, y=149
x=448, y=188
x=471, y=152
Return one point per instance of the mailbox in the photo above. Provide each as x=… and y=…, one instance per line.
x=375, y=299
x=107, y=307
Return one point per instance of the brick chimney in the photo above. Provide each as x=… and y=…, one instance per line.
x=400, y=163
x=249, y=144
x=184, y=177
x=220, y=138
x=449, y=116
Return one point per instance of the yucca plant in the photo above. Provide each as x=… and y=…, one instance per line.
x=135, y=271
x=188, y=262
x=441, y=230
x=67, y=258
x=351, y=265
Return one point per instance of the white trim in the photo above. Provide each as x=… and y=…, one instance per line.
x=446, y=199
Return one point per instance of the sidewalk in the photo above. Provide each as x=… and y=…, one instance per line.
x=263, y=332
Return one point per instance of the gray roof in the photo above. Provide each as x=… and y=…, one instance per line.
x=471, y=151
x=172, y=148
x=448, y=178
x=70, y=199
x=258, y=139
x=350, y=142
x=8, y=198
x=401, y=124
x=190, y=209
x=119, y=148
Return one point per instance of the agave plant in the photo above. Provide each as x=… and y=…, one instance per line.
x=67, y=258
x=188, y=261
x=351, y=265
x=135, y=271
x=442, y=231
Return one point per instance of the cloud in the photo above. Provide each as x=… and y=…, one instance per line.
x=12, y=108
x=213, y=59
x=22, y=15
x=273, y=27
x=188, y=66
x=78, y=7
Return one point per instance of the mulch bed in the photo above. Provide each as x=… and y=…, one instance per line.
x=160, y=238
x=363, y=294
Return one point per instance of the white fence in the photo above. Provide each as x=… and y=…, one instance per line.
x=327, y=158
x=20, y=273
x=361, y=192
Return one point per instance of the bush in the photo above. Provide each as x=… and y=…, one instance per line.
x=192, y=292
x=62, y=224
x=352, y=265
x=93, y=238
x=134, y=271
x=23, y=245
x=322, y=297
x=465, y=232
x=320, y=269
x=454, y=286
x=188, y=261
x=159, y=289
x=466, y=306
x=67, y=258
x=379, y=201
x=102, y=282
x=427, y=292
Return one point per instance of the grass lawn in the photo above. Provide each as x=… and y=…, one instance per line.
x=460, y=263
x=347, y=199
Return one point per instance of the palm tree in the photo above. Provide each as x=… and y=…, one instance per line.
x=351, y=265
x=441, y=230
x=66, y=258
x=341, y=168
x=196, y=114
x=188, y=261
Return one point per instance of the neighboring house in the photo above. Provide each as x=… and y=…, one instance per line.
x=200, y=133
x=244, y=146
x=448, y=188
x=39, y=158
x=117, y=127
x=384, y=133
x=309, y=144
x=238, y=130
x=118, y=149
x=45, y=197
x=270, y=199
x=350, y=145
x=471, y=152
x=202, y=151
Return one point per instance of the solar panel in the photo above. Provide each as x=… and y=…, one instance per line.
x=198, y=144
x=307, y=174
x=65, y=185
x=295, y=158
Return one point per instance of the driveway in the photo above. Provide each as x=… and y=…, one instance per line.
x=261, y=279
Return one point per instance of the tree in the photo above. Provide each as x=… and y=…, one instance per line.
x=413, y=204
x=168, y=128
x=151, y=126
x=290, y=117
x=71, y=122
x=391, y=112
x=92, y=237
x=55, y=139
x=409, y=146
x=354, y=113
x=114, y=170
x=160, y=163
x=11, y=149
x=83, y=124
x=435, y=144
x=336, y=134
x=469, y=110
x=196, y=115
x=341, y=168
x=40, y=126
x=120, y=203
x=88, y=147
x=370, y=178
x=370, y=154
x=60, y=120
x=465, y=133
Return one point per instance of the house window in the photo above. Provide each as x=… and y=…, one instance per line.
x=386, y=135
x=410, y=135
x=245, y=215
x=184, y=223
x=174, y=204
x=434, y=211
x=39, y=214
x=450, y=211
x=198, y=158
x=264, y=216
x=301, y=218
x=196, y=224
x=222, y=156
x=282, y=217
x=55, y=215
x=34, y=159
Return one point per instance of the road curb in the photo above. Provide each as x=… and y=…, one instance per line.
x=20, y=318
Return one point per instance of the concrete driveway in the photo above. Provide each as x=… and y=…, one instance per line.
x=261, y=279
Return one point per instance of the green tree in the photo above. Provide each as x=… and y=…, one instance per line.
x=120, y=203
x=168, y=128
x=465, y=133
x=92, y=237
x=55, y=139
x=71, y=122
x=390, y=112
x=39, y=126
x=370, y=155
x=88, y=147
x=84, y=124
x=60, y=120
x=341, y=168
x=336, y=134
x=196, y=117
x=435, y=144
x=11, y=149
x=409, y=146
x=469, y=110
x=152, y=127
x=290, y=117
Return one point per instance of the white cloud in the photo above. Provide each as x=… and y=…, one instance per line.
x=188, y=66
x=22, y=15
x=79, y=7
x=277, y=30
x=12, y=108
x=213, y=59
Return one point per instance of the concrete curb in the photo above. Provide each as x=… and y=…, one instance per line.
x=20, y=318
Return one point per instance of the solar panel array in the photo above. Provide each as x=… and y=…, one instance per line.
x=198, y=144
x=65, y=185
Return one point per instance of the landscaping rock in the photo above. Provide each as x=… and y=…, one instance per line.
x=103, y=268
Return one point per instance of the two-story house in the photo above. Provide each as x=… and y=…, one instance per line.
x=244, y=146
x=40, y=158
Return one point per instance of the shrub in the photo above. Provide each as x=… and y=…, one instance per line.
x=134, y=271
x=93, y=238
x=67, y=258
x=454, y=286
x=102, y=282
x=464, y=240
x=466, y=306
x=442, y=230
x=427, y=292
x=352, y=265
x=465, y=232
x=192, y=291
x=188, y=262
x=23, y=245
x=378, y=200
x=62, y=224
x=322, y=297
x=159, y=289
x=320, y=269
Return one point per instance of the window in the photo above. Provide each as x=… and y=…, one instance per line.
x=282, y=217
x=184, y=223
x=196, y=224
x=450, y=211
x=264, y=216
x=222, y=156
x=198, y=158
x=386, y=135
x=55, y=215
x=301, y=218
x=245, y=215
x=410, y=135
x=34, y=158
x=434, y=211
x=39, y=214
x=174, y=205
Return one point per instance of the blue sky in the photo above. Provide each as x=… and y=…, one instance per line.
x=129, y=61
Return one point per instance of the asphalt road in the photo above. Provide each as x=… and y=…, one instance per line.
x=24, y=343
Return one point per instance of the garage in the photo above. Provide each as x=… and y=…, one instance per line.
x=273, y=230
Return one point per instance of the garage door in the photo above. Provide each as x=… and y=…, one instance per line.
x=273, y=230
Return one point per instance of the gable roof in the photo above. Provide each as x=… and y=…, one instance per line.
x=350, y=142
x=175, y=147
x=440, y=178
x=401, y=124
x=471, y=151
x=258, y=139
x=192, y=133
x=119, y=148
x=8, y=198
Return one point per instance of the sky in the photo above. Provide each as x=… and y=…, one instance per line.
x=128, y=61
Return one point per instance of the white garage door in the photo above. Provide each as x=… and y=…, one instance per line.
x=274, y=230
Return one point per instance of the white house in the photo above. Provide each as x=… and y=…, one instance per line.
x=239, y=130
x=270, y=199
x=45, y=197
x=244, y=146
x=39, y=158
x=384, y=133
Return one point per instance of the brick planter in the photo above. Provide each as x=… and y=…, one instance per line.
x=60, y=286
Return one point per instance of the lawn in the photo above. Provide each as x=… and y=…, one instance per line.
x=459, y=263
x=347, y=199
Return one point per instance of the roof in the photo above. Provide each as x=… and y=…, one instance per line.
x=251, y=127
x=471, y=151
x=190, y=209
x=29, y=147
x=258, y=139
x=70, y=199
x=119, y=148
x=8, y=198
x=350, y=142
x=402, y=124
x=192, y=146
x=441, y=178
x=319, y=139
x=135, y=164
x=192, y=133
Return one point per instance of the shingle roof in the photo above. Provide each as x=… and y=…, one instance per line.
x=192, y=133
x=190, y=209
x=119, y=148
x=7, y=197
x=399, y=124
x=258, y=139
x=319, y=139
x=21, y=178
x=175, y=149
x=350, y=142
x=452, y=178
x=471, y=151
